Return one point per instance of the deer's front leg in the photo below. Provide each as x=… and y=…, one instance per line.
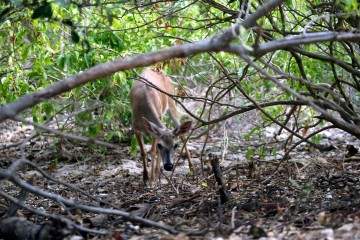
x=154, y=161
x=143, y=154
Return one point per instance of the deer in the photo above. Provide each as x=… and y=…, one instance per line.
x=150, y=101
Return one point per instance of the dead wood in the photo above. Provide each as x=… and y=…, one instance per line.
x=22, y=196
x=225, y=196
x=20, y=228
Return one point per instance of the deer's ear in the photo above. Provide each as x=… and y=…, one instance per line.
x=182, y=129
x=151, y=128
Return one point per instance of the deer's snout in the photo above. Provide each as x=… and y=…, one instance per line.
x=168, y=166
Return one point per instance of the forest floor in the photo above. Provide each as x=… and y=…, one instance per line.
x=311, y=195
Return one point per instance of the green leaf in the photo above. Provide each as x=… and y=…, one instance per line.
x=93, y=130
x=10, y=97
x=68, y=22
x=68, y=61
x=110, y=16
x=316, y=139
x=133, y=144
x=48, y=107
x=254, y=130
x=75, y=36
x=308, y=188
x=24, y=86
x=44, y=11
x=110, y=136
x=249, y=152
x=108, y=115
x=61, y=61
x=37, y=117
x=294, y=183
x=288, y=3
x=25, y=53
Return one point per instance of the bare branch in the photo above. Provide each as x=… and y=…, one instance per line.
x=351, y=128
x=307, y=38
x=68, y=135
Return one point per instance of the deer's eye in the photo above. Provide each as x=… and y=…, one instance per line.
x=159, y=146
x=176, y=145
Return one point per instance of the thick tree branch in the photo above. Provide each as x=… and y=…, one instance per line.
x=307, y=38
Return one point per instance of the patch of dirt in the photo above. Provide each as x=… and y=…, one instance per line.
x=311, y=195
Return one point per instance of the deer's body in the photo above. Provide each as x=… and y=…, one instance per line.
x=148, y=106
x=149, y=103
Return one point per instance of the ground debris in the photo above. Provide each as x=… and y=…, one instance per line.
x=312, y=195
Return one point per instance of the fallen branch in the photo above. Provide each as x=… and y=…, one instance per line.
x=225, y=196
x=9, y=174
